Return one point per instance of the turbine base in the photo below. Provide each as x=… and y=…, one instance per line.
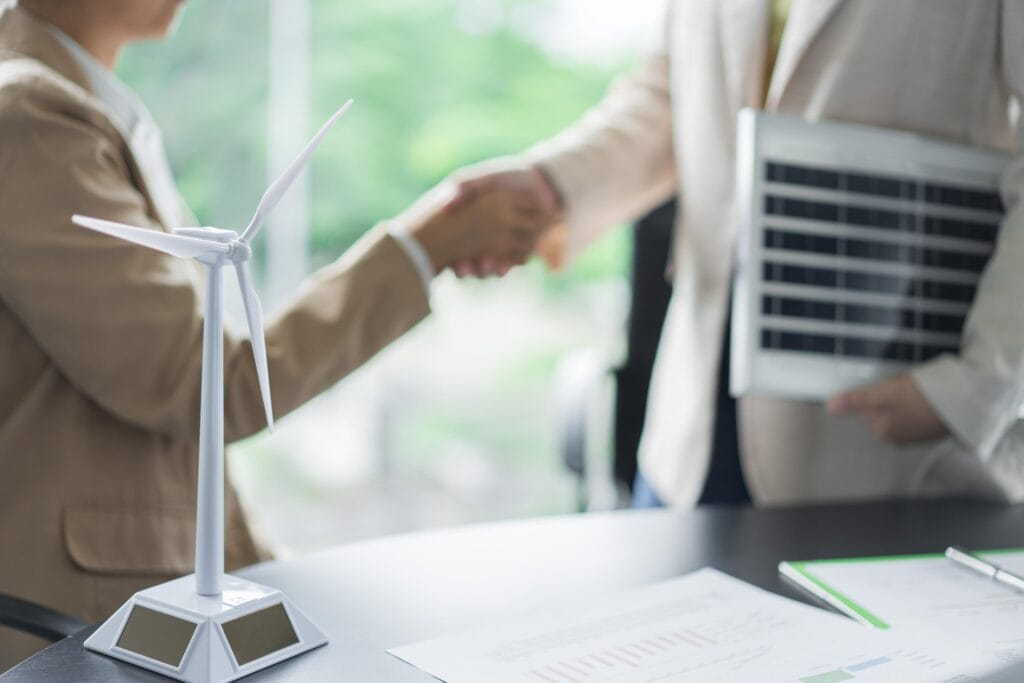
x=174, y=631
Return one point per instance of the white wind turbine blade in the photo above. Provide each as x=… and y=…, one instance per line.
x=175, y=245
x=277, y=189
x=254, y=315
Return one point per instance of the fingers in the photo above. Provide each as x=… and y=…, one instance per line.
x=465, y=191
x=848, y=402
x=516, y=247
x=881, y=425
x=867, y=399
x=551, y=247
x=486, y=266
x=528, y=185
x=483, y=268
x=499, y=254
x=473, y=182
x=871, y=404
x=498, y=246
x=894, y=410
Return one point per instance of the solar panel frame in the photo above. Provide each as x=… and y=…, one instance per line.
x=859, y=251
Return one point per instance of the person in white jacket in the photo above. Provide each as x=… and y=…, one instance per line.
x=945, y=69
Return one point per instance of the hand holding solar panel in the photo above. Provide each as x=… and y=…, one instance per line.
x=859, y=253
x=895, y=410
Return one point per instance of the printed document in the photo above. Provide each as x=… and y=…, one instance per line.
x=706, y=626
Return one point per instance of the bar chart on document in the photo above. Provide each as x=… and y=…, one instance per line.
x=706, y=626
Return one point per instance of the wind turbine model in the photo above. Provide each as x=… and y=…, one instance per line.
x=209, y=626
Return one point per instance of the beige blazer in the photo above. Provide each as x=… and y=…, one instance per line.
x=943, y=68
x=101, y=344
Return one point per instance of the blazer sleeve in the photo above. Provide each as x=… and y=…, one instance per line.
x=979, y=392
x=617, y=161
x=124, y=323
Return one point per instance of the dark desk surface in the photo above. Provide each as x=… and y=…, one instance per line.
x=378, y=594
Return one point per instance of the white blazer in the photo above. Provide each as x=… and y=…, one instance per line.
x=944, y=68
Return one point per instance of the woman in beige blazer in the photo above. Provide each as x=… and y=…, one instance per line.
x=942, y=68
x=101, y=340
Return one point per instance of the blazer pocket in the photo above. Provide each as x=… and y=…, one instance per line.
x=130, y=539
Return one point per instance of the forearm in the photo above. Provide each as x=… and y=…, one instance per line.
x=978, y=393
x=617, y=161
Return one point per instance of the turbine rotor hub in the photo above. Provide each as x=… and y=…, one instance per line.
x=240, y=251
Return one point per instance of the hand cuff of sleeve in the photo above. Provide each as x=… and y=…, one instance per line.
x=977, y=406
x=415, y=251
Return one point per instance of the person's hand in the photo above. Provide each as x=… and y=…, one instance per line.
x=894, y=409
x=492, y=225
x=527, y=185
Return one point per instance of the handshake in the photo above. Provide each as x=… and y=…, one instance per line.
x=486, y=219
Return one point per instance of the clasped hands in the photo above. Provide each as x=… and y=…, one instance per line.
x=486, y=219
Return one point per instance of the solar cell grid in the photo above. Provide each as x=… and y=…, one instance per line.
x=888, y=316
x=883, y=185
x=872, y=250
x=861, y=250
x=872, y=217
x=959, y=228
x=867, y=282
x=857, y=347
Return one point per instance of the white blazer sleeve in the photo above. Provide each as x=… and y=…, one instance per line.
x=978, y=394
x=617, y=160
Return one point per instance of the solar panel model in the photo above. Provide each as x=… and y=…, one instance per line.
x=859, y=252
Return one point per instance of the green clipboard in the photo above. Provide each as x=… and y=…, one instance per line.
x=803, y=574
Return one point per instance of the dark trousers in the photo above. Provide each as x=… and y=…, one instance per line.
x=724, y=482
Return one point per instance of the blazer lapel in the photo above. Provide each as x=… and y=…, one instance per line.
x=23, y=35
x=743, y=31
x=806, y=20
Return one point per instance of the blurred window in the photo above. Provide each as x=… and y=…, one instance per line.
x=452, y=424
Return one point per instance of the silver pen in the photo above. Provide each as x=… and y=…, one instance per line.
x=966, y=558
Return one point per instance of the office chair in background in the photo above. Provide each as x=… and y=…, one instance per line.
x=34, y=627
x=28, y=617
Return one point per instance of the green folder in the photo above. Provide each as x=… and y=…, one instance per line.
x=804, y=574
